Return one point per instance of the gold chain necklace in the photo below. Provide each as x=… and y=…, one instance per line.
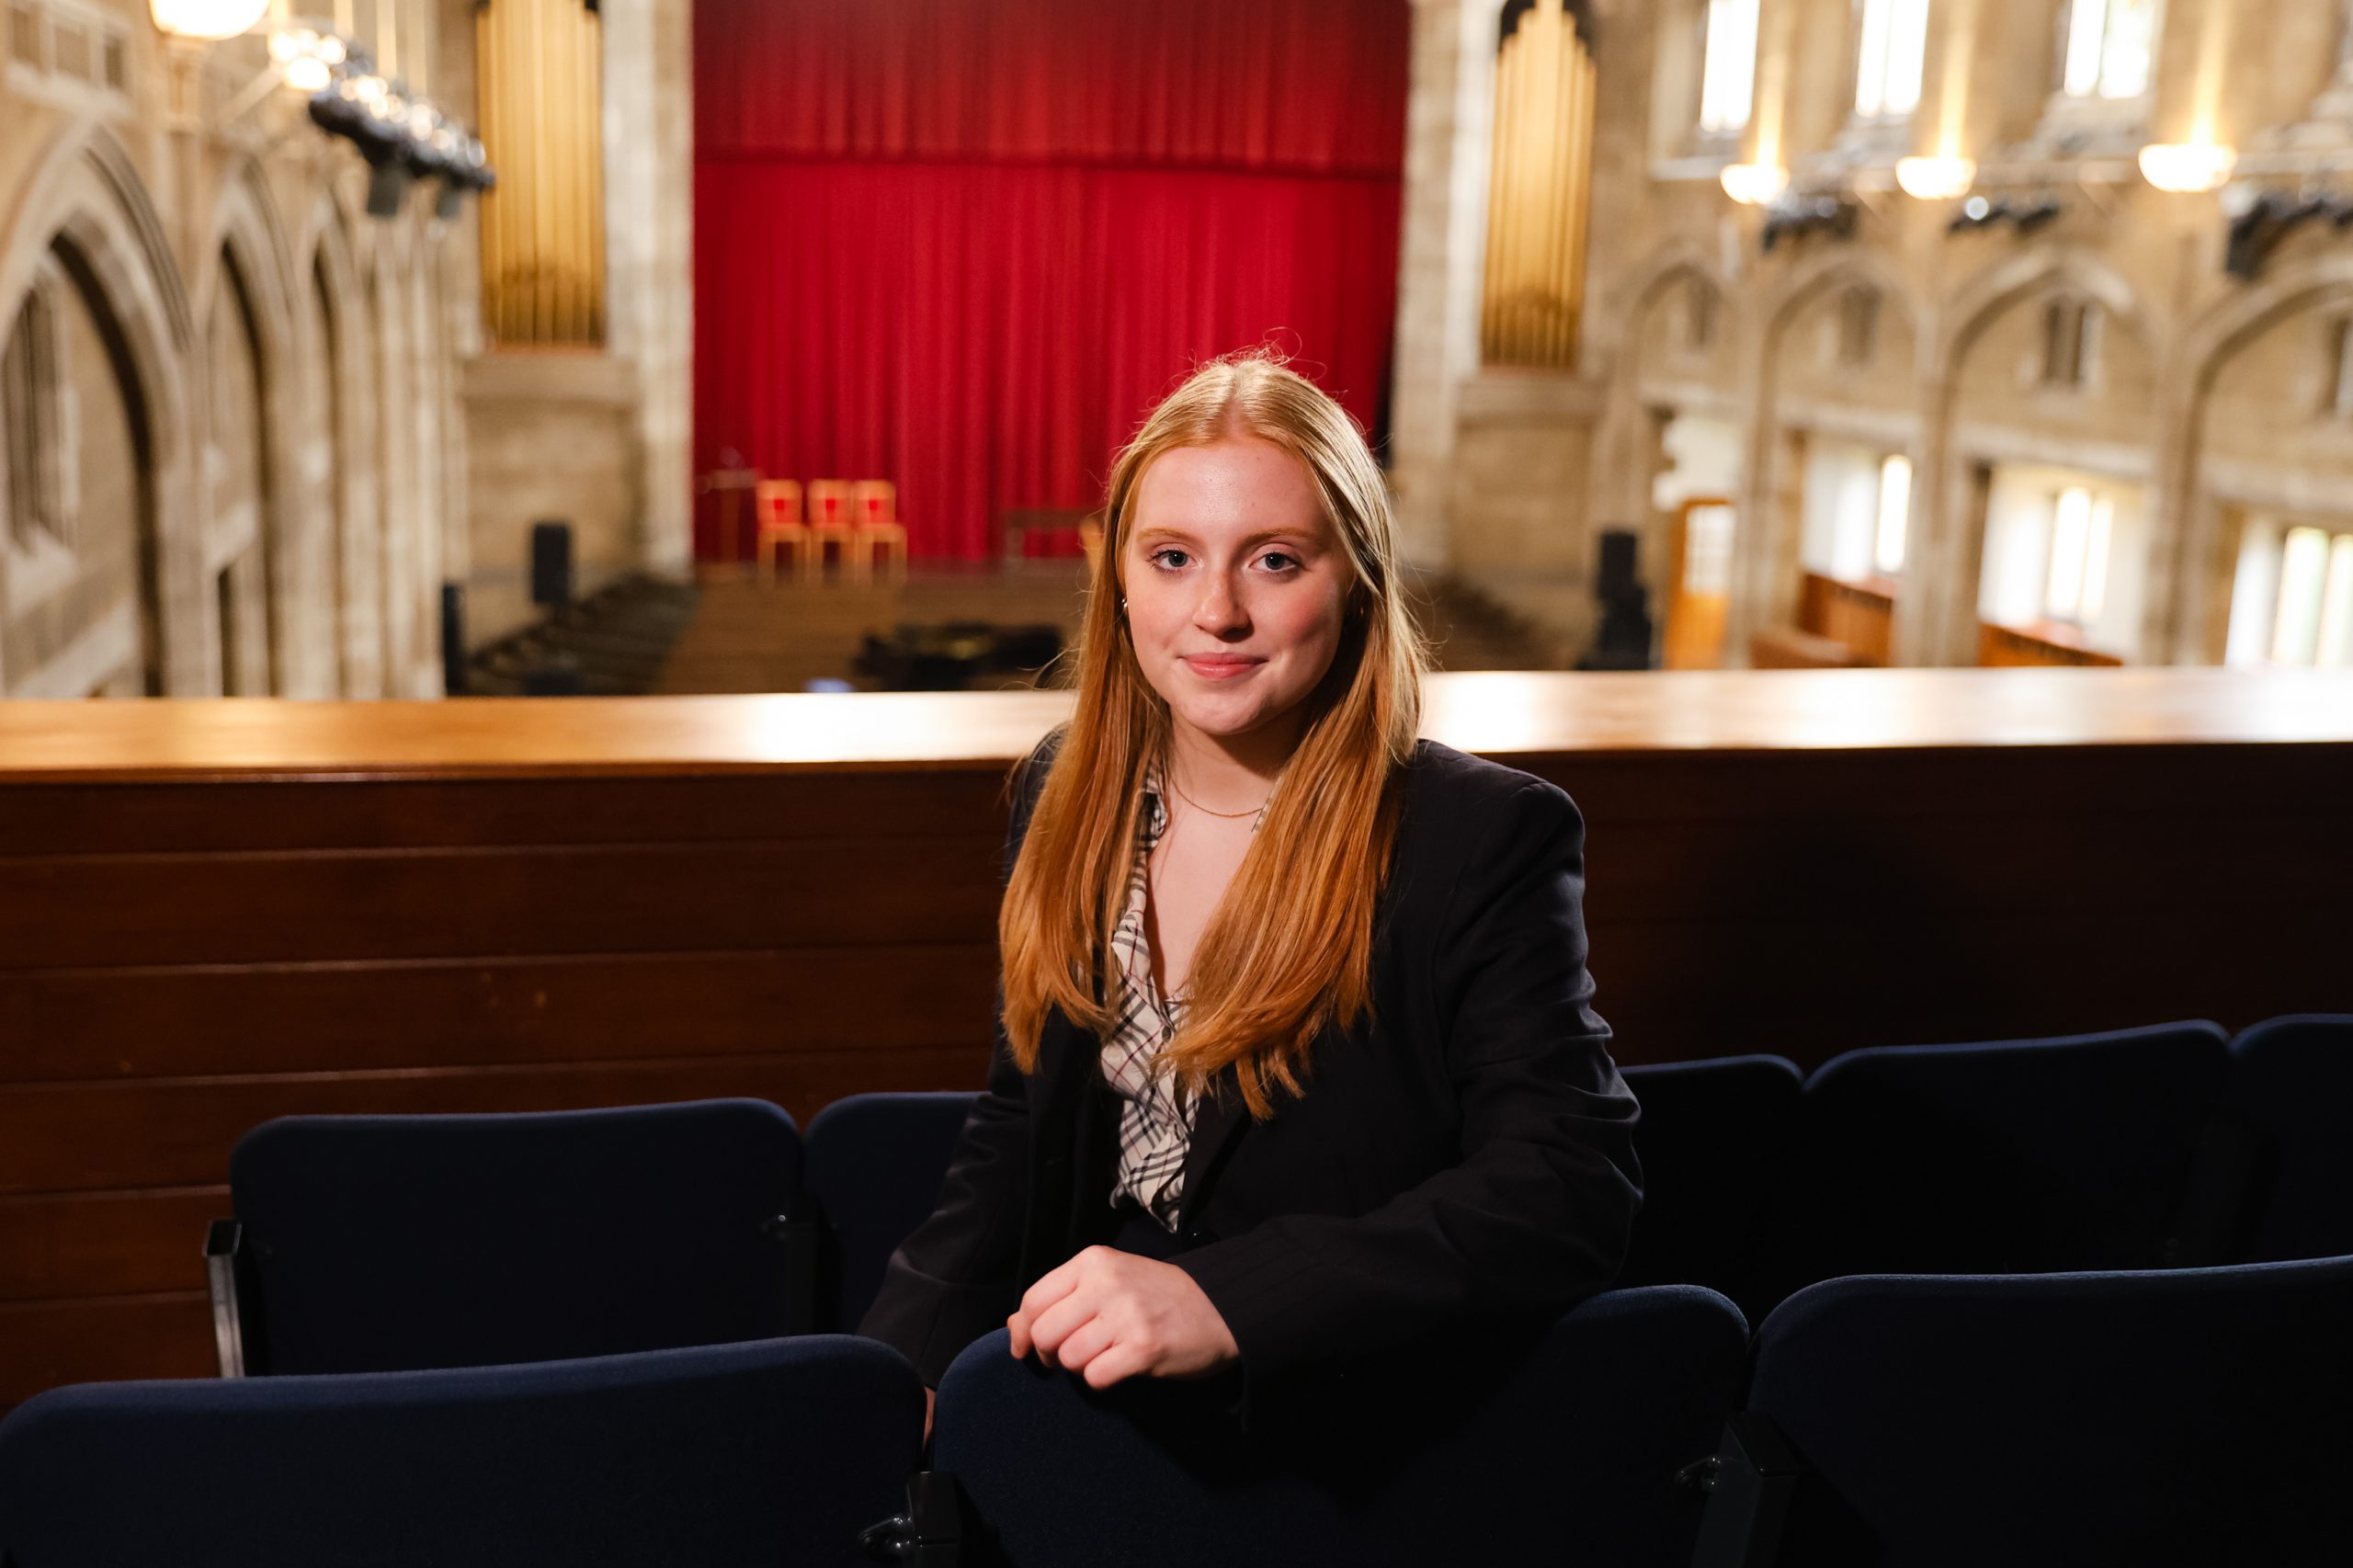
x=1206, y=811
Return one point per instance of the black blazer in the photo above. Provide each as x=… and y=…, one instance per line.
x=1463, y=1156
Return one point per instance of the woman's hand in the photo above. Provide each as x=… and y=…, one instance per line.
x=1108, y=1315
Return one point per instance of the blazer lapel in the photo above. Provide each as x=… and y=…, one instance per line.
x=1219, y=1120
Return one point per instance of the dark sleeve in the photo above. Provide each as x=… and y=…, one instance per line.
x=957, y=1277
x=1535, y=1217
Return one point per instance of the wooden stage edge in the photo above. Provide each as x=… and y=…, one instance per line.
x=1499, y=714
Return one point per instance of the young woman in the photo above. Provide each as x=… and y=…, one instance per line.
x=1296, y=1065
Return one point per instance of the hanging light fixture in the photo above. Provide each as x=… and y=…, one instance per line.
x=2188, y=167
x=306, y=56
x=1753, y=185
x=206, y=18
x=1935, y=179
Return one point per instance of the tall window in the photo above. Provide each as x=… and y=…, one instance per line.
x=2111, y=46
x=1857, y=334
x=1894, y=514
x=32, y=405
x=2070, y=341
x=2312, y=621
x=2075, y=588
x=2338, y=377
x=2291, y=601
x=1893, y=43
x=1728, y=72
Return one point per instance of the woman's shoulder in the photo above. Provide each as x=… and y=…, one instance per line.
x=1442, y=779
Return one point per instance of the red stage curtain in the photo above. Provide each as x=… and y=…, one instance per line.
x=963, y=244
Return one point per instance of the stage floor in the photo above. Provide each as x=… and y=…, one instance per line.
x=748, y=636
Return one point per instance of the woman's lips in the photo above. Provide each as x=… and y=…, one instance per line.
x=1221, y=668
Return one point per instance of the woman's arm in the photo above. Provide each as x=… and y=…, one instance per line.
x=957, y=1276
x=1535, y=1218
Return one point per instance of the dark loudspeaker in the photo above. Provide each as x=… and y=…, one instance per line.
x=1616, y=580
x=453, y=639
x=552, y=563
x=387, y=187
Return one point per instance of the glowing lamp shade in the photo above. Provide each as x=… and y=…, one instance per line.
x=207, y=18
x=1753, y=185
x=2187, y=165
x=1935, y=179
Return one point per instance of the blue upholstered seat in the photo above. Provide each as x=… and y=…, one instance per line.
x=2190, y=1416
x=2016, y=1156
x=1566, y=1450
x=386, y=1243
x=874, y=1164
x=736, y=1455
x=2291, y=1084
x=1715, y=1140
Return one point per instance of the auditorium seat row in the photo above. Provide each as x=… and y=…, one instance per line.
x=2115, y=1412
x=2150, y=1147
x=384, y=1243
x=2188, y=1416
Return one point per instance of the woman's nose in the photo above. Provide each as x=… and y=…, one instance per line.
x=1219, y=609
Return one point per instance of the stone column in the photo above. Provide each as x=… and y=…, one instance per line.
x=648, y=252
x=1449, y=119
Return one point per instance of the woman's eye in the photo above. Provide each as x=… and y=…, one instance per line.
x=1285, y=560
x=1156, y=556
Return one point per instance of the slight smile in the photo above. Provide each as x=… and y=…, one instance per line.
x=1221, y=666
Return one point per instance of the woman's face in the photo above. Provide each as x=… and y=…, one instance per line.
x=1235, y=583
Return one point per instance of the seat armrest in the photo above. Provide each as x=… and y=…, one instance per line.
x=224, y=1260
x=1748, y=1481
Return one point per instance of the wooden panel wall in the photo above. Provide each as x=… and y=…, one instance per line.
x=183, y=958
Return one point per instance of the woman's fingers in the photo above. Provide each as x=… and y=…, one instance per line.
x=1116, y=1362
x=1084, y=1343
x=1050, y=1287
x=1059, y=1322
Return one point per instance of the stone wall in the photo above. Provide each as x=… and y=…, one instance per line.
x=278, y=430
x=2202, y=390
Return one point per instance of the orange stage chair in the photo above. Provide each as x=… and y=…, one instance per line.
x=874, y=507
x=776, y=514
x=830, y=522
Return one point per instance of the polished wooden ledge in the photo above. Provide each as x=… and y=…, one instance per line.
x=1506, y=715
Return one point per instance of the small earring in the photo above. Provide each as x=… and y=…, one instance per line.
x=1123, y=606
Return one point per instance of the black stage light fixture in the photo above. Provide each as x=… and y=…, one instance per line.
x=1795, y=217
x=2026, y=215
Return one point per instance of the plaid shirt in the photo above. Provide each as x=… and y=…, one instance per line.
x=1155, y=1118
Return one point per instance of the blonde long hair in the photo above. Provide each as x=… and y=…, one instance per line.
x=1290, y=946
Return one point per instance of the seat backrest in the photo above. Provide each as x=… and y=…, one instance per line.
x=1566, y=1450
x=875, y=1163
x=383, y=1243
x=829, y=502
x=776, y=1451
x=2017, y=1156
x=778, y=502
x=2291, y=1082
x=2188, y=1416
x=874, y=501
x=1714, y=1141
